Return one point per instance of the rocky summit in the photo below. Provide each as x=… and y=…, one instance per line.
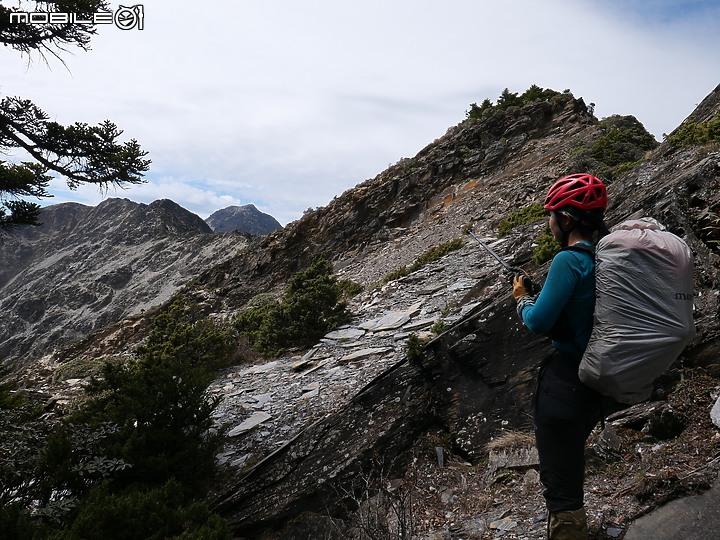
x=367, y=432
x=244, y=219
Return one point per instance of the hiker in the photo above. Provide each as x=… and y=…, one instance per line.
x=566, y=410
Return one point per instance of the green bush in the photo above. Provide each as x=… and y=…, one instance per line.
x=23, y=442
x=155, y=514
x=529, y=214
x=476, y=111
x=78, y=369
x=622, y=146
x=261, y=300
x=625, y=140
x=15, y=522
x=415, y=348
x=349, y=289
x=147, y=424
x=429, y=256
x=508, y=99
x=437, y=253
x=181, y=335
x=537, y=93
x=547, y=247
x=311, y=306
x=693, y=133
x=396, y=274
x=47, y=465
x=439, y=327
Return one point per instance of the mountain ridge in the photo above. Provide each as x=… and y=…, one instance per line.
x=90, y=266
x=474, y=379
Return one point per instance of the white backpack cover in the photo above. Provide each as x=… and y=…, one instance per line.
x=643, y=312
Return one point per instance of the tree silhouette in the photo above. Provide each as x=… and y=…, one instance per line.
x=81, y=153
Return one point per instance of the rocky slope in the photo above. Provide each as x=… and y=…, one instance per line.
x=86, y=268
x=315, y=431
x=475, y=380
x=244, y=219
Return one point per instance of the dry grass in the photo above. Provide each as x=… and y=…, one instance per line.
x=511, y=439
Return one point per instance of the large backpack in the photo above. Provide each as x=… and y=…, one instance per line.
x=643, y=312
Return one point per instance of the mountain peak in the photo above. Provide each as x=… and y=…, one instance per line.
x=246, y=219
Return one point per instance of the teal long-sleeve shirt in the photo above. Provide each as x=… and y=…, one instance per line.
x=570, y=285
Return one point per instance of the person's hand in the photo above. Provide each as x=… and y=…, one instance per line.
x=522, y=286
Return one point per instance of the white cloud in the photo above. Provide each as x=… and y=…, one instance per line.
x=286, y=104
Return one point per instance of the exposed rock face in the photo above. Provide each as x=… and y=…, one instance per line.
x=86, y=268
x=244, y=219
x=478, y=375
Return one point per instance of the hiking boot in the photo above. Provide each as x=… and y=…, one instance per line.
x=568, y=525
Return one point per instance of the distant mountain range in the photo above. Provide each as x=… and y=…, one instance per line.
x=87, y=267
x=246, y=219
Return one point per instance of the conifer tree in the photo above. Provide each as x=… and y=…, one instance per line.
x=81, y=153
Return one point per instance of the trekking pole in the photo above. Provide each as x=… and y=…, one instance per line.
x=498, y=258
x=527, y=282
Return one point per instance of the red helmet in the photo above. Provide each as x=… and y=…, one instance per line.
x=583, y=191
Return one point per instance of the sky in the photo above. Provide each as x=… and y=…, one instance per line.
x=286, y=104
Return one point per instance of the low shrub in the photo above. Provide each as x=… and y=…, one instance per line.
x=547, y=247
x=158, y=513
x=622, y=146
x=529, y=214
x=415, y=347
x=439, y=327
x=429, y=256
x=349, y=289
x=135, y=455
x=10, y=398
x=310, y=307
x=15, y=522
x=694, y=133
x=159, y=400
